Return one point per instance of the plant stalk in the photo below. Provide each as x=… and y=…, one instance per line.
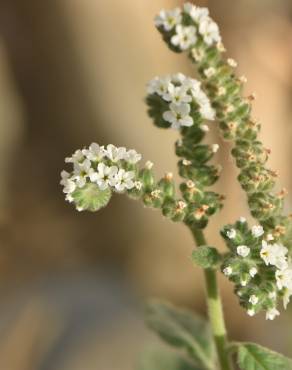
x=215, y=309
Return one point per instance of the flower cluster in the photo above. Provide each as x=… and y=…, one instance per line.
x=99, y=171
x=233, y=112
x=176, y=101
x=258, y=266
x=179, y=102
x=185, y=28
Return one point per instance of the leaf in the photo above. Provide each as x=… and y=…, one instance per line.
x=206, y=257
x=182, y=329
x=254, y=357
x=91, y=198
x=162, y=359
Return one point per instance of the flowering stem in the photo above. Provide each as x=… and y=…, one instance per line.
x=215, y=309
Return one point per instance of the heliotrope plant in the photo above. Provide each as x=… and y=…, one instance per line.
x=259, y=257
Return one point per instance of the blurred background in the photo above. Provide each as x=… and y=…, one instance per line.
x=73, y=284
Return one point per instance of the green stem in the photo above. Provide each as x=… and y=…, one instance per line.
x=215, y=309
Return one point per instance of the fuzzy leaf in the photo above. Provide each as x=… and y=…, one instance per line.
x=91, y=198
x=206, y=257
x=162, y=359
x=254, y=357
x=182, y=329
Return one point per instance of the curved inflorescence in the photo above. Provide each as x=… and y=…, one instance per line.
x=259, y=260
x=179, y=102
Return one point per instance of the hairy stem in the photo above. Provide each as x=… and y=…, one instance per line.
x=215, y=309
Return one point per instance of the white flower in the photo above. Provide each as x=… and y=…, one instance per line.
x=81, y=172
x=242, y=220
x=115, y=154
x=106, y=176
x=94, y=153
x=124, y=180
x=184, y=37
x=204, y=128
x=196, y=13
x=209, y=72
x=243, y=250
x=257, y=231
x=76, y=157
x=272, y=313
x=286, y=297
x=210, y=31
x=251, y=312
x=253, y=299
x=67, y=182
x=160, y=86
x=272, y=295
x=132, y=156
x=243, y=282
x=270, y=237
x=168, y=19
x=227, y=271
x=215, y=148
x=253, y=271
x=274, y=254
x=138, y=185
x=231, y=234
x=177, y=95
x=179, y=78
x=284, y=278
x=178, y=115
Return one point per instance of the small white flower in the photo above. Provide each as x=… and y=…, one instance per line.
x=243, y=250
x=270, y=237
x=162, y=86
x=274, y=254
x=177, y=95
x=231, y=234
x=272, y=313
x=76, y=157
x=209, y=72
x=178, y=115
x=115, y=154
x=215, y=148
x=132, y=156
x=204, y=128
x=227, y=271
x=243, y=282
x=178, y=78
x=286, y=297
x=251, y=312
x=232, y=62
x=284, y=278
x=253, y=271
x=94, y=153
x=242, y=220
x=272, y=295
x=257, y=231
x=253, y=299
x=138, y=185
x=124, y=180
x=106, y=176
x=148, y=165
x=168, y=19
x=81, y=172
x=67, y=182
x=184, y=37
x=210, y=31
x=196, y=13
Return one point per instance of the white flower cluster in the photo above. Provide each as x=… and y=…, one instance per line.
x=180, y=91
x=186, y=36
x=102, y=166
x=272, y=254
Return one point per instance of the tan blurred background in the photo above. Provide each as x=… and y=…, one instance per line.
x=72, y=72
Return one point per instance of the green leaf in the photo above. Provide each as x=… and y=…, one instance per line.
x=183, y=329
x=254, y=357
x=162, y=359
x=91, y=198
x=206, y=257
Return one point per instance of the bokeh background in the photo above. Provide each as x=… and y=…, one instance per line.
x=73, y=285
